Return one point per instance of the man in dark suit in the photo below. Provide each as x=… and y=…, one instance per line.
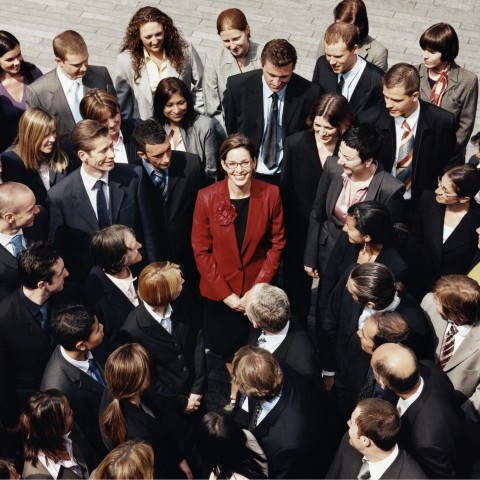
x=344, y=72
x=418, y=139
x=275, y=330
x=96, y=195
x=283, y=413
x=61, y=90
x=268, y=105
x=430, y=429
x=169, y=202
x=25, y=341
x=370, y=446
x=17, y=212
x=73, y=370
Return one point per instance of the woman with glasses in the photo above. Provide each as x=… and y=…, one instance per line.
x=443, y=239
x=237, y=240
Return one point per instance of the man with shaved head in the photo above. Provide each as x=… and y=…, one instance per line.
x=17, y=212
x=430, y=429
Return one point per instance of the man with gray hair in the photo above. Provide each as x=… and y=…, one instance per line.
x=276, y=330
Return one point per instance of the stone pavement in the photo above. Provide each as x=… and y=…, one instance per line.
x=396, y=23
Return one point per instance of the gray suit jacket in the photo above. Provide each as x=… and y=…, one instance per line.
x=324, y=227
x=136, y=98
x=460, y=98
x=47, y=92
x=463, y=368
x=218, y=67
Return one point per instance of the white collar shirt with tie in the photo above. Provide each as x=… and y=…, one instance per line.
x=352, y=77
x=271, y=342
x=73, y=90
x=463, y=331
x=89, y=184
x=377, y=469
x=166, y=321
x=402, y=405
x=5, y=241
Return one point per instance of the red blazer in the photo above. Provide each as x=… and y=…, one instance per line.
x=223, y=269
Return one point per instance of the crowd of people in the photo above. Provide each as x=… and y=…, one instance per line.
x=186, y=206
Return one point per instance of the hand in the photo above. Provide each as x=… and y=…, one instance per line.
x=313, y=272
x=183, y=465
x=328, y=382
x=193, y=403
x=234, y=302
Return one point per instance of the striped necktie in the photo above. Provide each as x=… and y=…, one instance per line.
x=448, y=346
x=405, y=156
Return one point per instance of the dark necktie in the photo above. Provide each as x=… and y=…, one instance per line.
x=17, y=244
x=42, y=318
x=159, y=180
x=102, y=209
x=364, y=472
x=95, y=372
x=367, y=390
x=270, y=138
x=256, y=414
x=340, y=84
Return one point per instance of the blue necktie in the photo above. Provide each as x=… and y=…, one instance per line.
x=17, y=243
x=159, y=180
x=92, y=367
x=42, y=318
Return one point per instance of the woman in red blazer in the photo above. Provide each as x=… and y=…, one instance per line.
x=237, y=240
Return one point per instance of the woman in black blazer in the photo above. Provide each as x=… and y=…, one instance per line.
x=304, y=155
x=444, y=238
x=128, y=413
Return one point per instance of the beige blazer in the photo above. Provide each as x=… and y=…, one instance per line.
x=460, y=98
x=218, y=67
x=136, y=98
x=463, y=368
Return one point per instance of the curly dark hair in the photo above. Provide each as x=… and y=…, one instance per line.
x=175, y=46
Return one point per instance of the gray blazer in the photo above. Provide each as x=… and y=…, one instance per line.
x=47, y=92
x=324, y=228
x=136, y=98
x=370, y=49
x=463, y=368
x=201, y=138
x=460, y=98
x=218, y=67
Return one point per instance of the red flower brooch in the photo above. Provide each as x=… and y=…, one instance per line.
x=225, y=213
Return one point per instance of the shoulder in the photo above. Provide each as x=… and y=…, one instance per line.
x=374, y=114
x=202, y=122
x=246, y=78
x=66, y=184
x=322, y=62
x=331, y=166
x=124, y=58
x=436, y=113
x=304, y=86
x=465, y=76
x=264, y=188
x=44, y=80
x=375, y=72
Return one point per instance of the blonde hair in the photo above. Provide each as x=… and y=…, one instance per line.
x=34, y=125
x=96, y=103
x=158, y=283
x=130, y=460
x=127, y=373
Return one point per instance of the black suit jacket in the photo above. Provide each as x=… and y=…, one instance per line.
x=431, y=258
x=296, y=351
x=433, y=148
x=168, y=226
x=431, y=430
x=367, y=93
x=243, y=105
x=24, y=352
x=348, y=461
x=178, y=359
x=289, y=434
x=84, y=395
x=73, y=221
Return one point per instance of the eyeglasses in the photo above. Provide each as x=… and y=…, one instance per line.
x=246, y=164
x=444, y=190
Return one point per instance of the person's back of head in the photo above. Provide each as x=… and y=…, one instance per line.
x=148, y=132
x=36, y=264
x=354, y=12
x=268, y=307
x=392, y=327
x=97, y=103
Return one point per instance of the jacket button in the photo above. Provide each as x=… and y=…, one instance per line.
x=180, y=356
x=240, y=268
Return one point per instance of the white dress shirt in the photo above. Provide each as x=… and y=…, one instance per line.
x=403, y=405
x=6, y=239
x=89, y=184
x=352, y=77
x=166, y=321
x=273, y=341
x=377, y=469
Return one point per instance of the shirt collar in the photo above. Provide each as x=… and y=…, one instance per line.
x=156, y=316
x=90, y=181
x=32, y=307
x=66, y=82
x=377, y=469
x=367, y=311
x=81, y=364
x=403, y=405
x=463, y=330
x=273, y=341
x=351, y=74
x=412, y=120
x=149, y=169
x=6, y=239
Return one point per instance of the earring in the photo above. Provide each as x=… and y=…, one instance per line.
x=364, y=249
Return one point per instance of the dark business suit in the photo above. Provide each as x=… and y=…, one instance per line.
x=73, y=221
x=178, y=359
x=368, y=91
x=168, y=227
x=289, y=434
x=15, y=171
x=243, y=104
x=24, y=351
x=429, y=256
x=348, y=461
x=84, y=395
x=301, y=172
x=433, y=148
x=431, y=431
x=324, y=227
x=47, y=92
x=296, y=351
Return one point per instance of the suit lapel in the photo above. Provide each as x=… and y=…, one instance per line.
x=116, y=196
x=462, y=234
x=310, y=151
x=7, y=258
x=173, y=177
x=144, y=85
x=434, y=218
x=256, y=99
x=423, y=125
x=333, y=193
x=360, y=94
x=82, y=205
x=469, y=346
x=59, y=102
x=151, y=327
x=256, y=205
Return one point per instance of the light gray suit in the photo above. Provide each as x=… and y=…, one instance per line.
x=460, y=98
x=218, y=67
x=47, y=92
x=463, y=368
x=136, y=98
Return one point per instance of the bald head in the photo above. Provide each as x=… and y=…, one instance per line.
x=9, y=194
x=17, y=207
x=396, y=367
